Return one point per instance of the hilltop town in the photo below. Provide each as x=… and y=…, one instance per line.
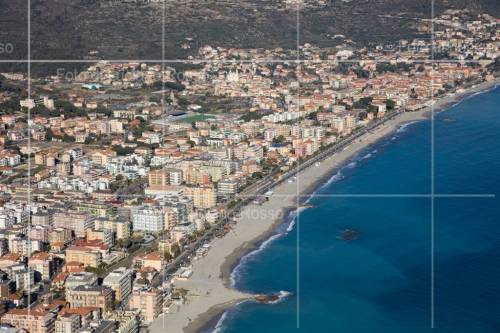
x=114, y=179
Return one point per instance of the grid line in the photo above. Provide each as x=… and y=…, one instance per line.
x=433, y=170
x=297, y=220
x=29, y=159
x=357, y=195
x=164, y=273
x=241, y=61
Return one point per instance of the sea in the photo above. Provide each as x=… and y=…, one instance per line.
x=418, y=263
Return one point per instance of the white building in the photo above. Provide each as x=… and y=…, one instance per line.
x=147, y=219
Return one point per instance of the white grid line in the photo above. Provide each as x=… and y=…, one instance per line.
x=353, y=195
x=243, y=61
x=29, y=160
x=163, y=127
x=433, y=169
x=297, y=222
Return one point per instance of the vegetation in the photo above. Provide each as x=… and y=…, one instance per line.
x=122, y=151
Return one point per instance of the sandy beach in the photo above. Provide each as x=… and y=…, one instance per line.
x=210, y=287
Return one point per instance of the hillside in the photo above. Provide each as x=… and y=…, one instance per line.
x=83, y=29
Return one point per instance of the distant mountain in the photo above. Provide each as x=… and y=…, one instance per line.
x=124, y=29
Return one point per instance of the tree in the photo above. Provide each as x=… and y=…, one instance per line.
x=122, y=151
x=67, y=138
x=390, y=104
x=257, y=175
x=49, y=134
x=279, y=139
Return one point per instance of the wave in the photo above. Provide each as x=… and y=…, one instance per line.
x=369, y=155
x=219, y=327
x=339, y=175
x=282, y=295
x=336, y=177
x=403, y=128
x=352, y=164
x=282, y=231
x=466, y=97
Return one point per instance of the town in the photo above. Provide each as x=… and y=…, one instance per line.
x=115, y=177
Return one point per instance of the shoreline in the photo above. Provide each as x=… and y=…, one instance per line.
x=211, y=280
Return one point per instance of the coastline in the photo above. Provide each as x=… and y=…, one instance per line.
x=211, y=292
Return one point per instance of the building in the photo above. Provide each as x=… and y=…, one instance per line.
x=67, y=323
x=8, y=260
x=87, y=314
x=106, y=236
x=120, y=280
x=153, y=260
x=40, y=233
x=120, y=228
x=86, y=256
x=79, y=222
x=43, y=265
x=30, y=103
x=227, y=187
x=60, y=237
x=90, y=296
x=102, y=157
x=203, y=197
x=21, y=246
x=158, y=178
x=128, y=321
x=37, y=320
x=43, y=219
x=23, y=276
x=96, y=209
x=148, y=302
x=81, y=279
x=147, y=218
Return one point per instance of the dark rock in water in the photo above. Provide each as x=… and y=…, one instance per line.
x=349, y=235
x=266, y=298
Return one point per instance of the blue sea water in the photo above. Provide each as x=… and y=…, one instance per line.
x=382, y=282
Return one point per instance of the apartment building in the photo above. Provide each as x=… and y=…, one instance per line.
x=106, y=236
x=147, y=218
x=203, y=197
x=149, y=302
x=67, y=323
x=33, y=320
x=90, y=296
x=120, y=227
x=79, y=222
x=128, y=321
x=86, y=256
x=120, y=280
x=42, y=264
